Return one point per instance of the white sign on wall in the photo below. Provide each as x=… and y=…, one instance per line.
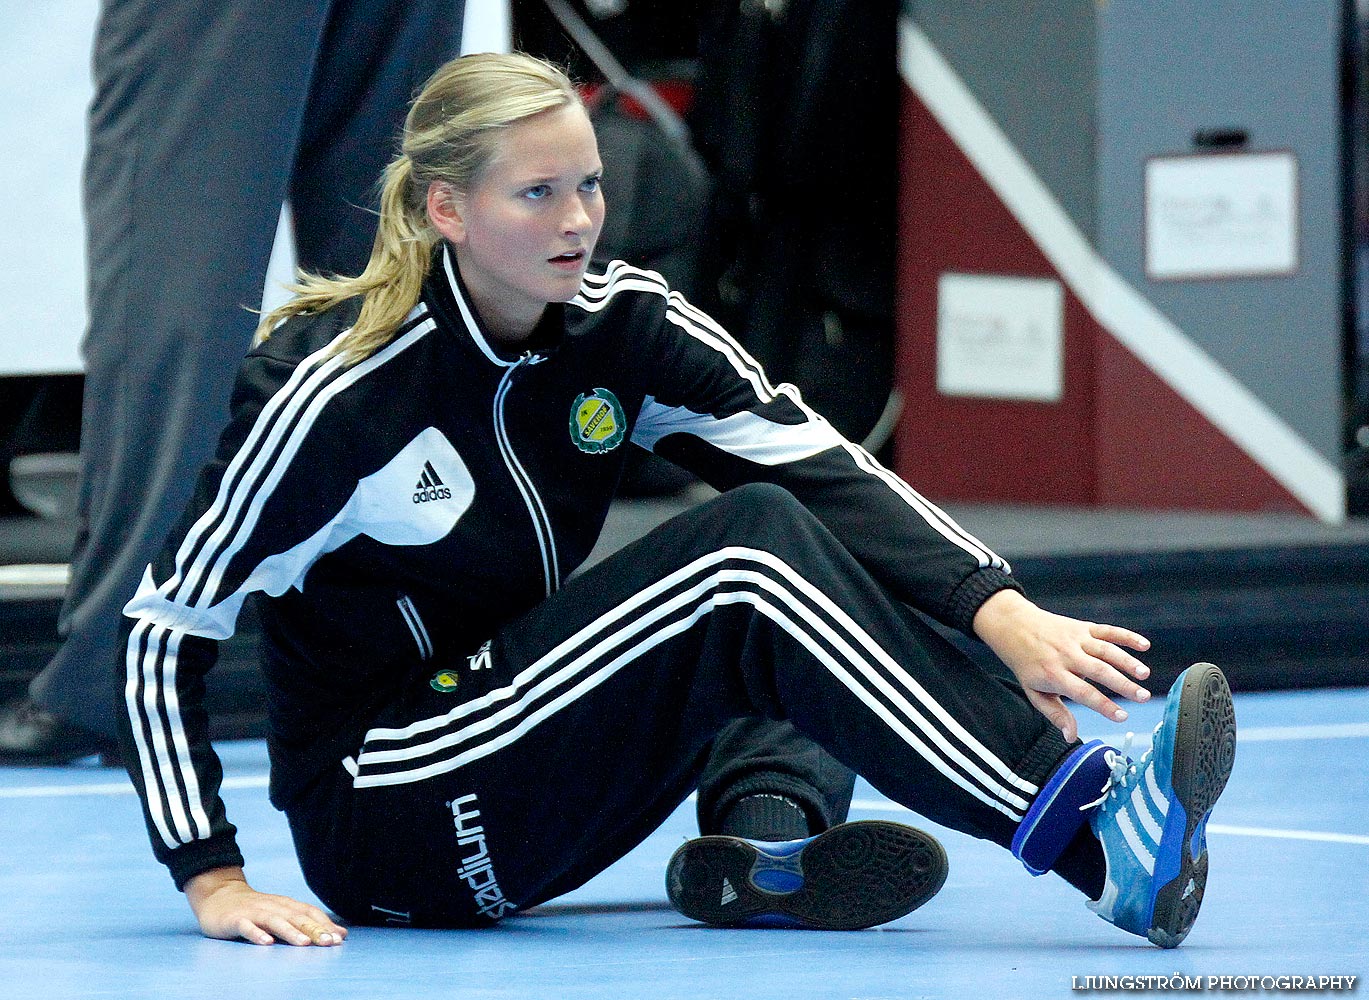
x=1221, y=215
x=1000, y=337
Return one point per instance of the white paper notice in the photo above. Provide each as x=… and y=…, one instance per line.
x=1221, y=215
x=1000, y=337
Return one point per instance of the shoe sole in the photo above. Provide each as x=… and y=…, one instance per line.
x=1204, y=752
x=855, y=875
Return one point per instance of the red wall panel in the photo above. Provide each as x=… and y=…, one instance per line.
x=977, y=449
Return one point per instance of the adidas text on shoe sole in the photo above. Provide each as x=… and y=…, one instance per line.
x=1204, y=752
x=852, y=876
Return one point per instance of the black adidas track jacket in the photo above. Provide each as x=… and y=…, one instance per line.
x=395, y=512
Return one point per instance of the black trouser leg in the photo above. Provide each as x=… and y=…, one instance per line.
x=761, y=756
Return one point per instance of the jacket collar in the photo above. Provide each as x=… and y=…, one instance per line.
x=449, y=300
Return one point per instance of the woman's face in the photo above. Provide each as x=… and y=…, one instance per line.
x=525, y=231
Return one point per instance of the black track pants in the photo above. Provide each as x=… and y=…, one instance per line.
x=588, y=720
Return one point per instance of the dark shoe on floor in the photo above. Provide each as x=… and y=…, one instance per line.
x=852, y=876
x=32, y=736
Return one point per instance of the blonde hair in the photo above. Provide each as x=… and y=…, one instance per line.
x=451, y=134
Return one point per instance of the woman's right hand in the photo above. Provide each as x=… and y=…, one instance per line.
x=228, y=908
x=1055, y=657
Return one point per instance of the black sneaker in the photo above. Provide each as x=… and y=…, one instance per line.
x=852, y=876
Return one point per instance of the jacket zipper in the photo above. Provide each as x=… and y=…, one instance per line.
x=536, y=510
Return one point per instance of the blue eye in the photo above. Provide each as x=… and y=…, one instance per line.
x=590, y=184
x=537, y=191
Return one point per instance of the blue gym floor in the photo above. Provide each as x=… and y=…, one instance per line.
x=87, y=912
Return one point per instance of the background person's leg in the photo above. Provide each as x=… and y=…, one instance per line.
x=185, y=172
x=767, y=781
x=373, y=61
x=185, y=175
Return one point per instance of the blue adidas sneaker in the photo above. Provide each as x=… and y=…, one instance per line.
x=1153, y=814
x=852, y=876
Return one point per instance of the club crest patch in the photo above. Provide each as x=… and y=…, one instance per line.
x=597, y=422
x=444, y=681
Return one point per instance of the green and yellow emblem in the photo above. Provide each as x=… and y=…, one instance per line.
x=445, y=681
x=597, y=423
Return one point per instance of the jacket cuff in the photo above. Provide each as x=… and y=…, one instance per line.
x=969, y=596
x=190, y=859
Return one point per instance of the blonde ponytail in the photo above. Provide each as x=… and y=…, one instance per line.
x=450, y=135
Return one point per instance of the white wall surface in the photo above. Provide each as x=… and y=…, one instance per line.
x=44, y=89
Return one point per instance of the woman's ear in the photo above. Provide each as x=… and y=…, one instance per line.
x=444, y=211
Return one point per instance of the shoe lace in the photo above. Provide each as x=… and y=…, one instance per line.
x=1120, y=767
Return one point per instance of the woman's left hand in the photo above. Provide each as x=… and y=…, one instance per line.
x=1054, y=657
